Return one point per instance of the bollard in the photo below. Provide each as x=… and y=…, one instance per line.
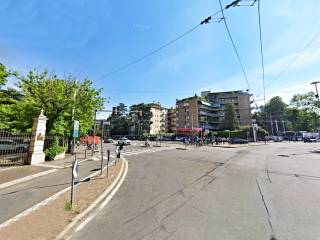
x=101, y=158
x=72, y=180
x=85, y=154
x=108, y=163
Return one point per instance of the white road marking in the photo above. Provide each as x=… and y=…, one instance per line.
x=45, y=202
x=27, y=178
x=106, y=194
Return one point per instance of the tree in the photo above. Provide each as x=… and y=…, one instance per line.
x=56, y=97
x=230, y=121
x=307, y=101
x=4, y=74
x=8, y=98
x=142, y=121
x=119, y=123
x=275, y=108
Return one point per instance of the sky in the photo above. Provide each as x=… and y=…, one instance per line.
x=93, y=38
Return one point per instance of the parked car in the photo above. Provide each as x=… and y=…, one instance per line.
x=277, y=138
x=108, y=140
x=10, y=146
x=125, y=141
x=307, y=139
x=238, y=141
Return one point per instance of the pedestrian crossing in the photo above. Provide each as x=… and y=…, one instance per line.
x=144, y=151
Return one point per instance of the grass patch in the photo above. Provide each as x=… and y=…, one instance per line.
x=68, y=206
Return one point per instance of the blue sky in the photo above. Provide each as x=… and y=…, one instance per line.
x=92, y=38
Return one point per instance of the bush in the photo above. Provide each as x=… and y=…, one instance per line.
x=54, y=150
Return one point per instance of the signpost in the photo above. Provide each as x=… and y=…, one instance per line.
x=76, y=125
x=74, y=176
x=108, y=162
x=101, y=140
x=75, y=134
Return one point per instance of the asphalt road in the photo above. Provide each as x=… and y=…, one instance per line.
x=216, y=193
x=17, y=198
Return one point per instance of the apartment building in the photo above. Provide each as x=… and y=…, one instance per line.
x=240, y=100
x=205, y=113
x=195, y=115
x=159, y=119
x=172, y=120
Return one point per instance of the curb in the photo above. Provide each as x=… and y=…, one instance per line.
x=87, y=215
x=44, y=202
x=27, y=178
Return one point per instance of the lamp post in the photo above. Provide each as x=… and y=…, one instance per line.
x=317, y=96
x=317, y=93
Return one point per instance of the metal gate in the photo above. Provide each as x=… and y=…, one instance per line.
x=14, y=148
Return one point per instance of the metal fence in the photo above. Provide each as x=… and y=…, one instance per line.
x=50, y=140
x=14, y=148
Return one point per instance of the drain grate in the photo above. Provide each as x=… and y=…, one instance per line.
x=283, y=155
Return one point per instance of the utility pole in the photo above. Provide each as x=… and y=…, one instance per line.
x=94, y=131
x=192, y=123
x=271, y=125
x=317, y=96
x=73, y=112
x=277, y=127
x=317, y=93
x=283, y=126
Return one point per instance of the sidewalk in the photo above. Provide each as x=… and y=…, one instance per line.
x=14, y=175
x=34, y=223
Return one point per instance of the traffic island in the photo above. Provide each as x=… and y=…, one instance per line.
x=54, y=218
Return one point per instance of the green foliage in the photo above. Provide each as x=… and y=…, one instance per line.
x=144, y=120
x=68, y=206
x=119, y=123
x=307, y=102
x=56, y=97
x=301, y=115
x=230, y=121
x=54, y=150
x=4, y=73
x=233, y=134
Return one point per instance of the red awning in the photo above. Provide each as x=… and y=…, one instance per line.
x=189, y=130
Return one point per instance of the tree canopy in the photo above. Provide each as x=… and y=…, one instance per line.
x=230, y=121
x=55, y=96
x=302, y=114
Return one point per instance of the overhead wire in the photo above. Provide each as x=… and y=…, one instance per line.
x=139, y=59
x=234, y=46
x=293, y=60
x=261, y=52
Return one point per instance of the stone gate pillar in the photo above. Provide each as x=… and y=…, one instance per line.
x=36, y=154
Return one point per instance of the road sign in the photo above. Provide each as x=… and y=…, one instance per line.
x=76, y=125
x=75, y=169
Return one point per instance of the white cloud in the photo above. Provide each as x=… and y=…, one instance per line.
x=309, y=58
x=288, y=92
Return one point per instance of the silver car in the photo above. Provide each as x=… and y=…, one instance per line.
x=125, y=141
x=10, y=146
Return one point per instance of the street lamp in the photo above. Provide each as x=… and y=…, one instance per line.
x=317, y=93
x=317, y=96
x=94, y=126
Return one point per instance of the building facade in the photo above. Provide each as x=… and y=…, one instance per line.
x=195, y=114
x=206, y=113
x=159, y=119
x=240, y=100
x=172, y=120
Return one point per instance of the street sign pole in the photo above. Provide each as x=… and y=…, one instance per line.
x=101, y=140
x=73, y=177
x=94, y=131
x=108, y=162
